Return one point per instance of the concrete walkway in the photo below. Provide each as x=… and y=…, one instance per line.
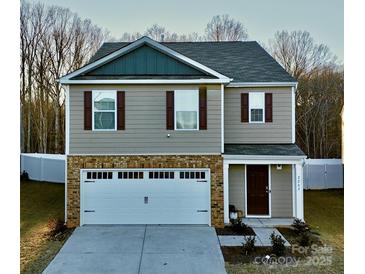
x=140, y=249
x=262, y=237
x=269, y=222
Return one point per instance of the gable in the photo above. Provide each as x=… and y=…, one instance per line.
x=145, y=60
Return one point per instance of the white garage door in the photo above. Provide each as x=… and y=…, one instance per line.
x=135, y=196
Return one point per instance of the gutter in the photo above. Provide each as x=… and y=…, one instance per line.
x=262, y=84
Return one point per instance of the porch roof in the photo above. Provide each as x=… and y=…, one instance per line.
x=263, y=150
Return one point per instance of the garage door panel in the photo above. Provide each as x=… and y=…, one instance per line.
x=146, y=201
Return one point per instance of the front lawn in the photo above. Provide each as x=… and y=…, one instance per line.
x=324, y=212
x=39, y=202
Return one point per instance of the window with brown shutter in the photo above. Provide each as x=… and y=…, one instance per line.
x=87, y=110
x=170, y=110
x=203, y=108
x=120, y=110
x=244, y=107
x=268, y=107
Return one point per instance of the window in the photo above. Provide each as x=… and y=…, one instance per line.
x=257, y=106
x=104, y=110
x=186, y=109
x=99, y=175
x=130, y=175
x=192, y=175
x=161, y=175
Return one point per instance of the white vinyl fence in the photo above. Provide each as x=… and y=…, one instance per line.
x=43, y=167
x=323, y=173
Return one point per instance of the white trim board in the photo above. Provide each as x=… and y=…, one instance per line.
x=262, y=162
x=142, y=41
x=148, y=81
x=261, y=84
x=293, y=114
x=261, y=157
x=222, y=118
x=143, y=154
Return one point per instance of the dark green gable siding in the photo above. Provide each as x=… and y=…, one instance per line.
x=145, y=61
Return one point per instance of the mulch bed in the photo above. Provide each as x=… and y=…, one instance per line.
x=235, y=255
x=228, y=230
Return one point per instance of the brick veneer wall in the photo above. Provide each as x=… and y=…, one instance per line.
x=75, y=163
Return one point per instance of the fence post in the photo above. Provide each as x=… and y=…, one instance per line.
x=42, y=168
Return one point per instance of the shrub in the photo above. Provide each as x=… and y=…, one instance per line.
x=238, y=226
x=56, y=226
x=305, y=239
x=24, y=176
x=277, y=242
x=300, y=226
x=249, y=246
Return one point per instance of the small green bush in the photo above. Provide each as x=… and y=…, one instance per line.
x=238, y=226
x=277, y=242
x=305, y=239
x=249, y=246
x=300, y=226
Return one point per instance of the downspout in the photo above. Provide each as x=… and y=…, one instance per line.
x=67, y=139
x=222, y=118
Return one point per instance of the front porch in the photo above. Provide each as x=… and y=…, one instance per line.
x=264, y=183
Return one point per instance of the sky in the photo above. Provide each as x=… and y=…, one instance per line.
x=324, y=19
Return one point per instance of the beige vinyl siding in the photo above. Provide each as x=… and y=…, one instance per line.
x=145, y=121
x=278, y=131
x=281, y=191
x=237, y=186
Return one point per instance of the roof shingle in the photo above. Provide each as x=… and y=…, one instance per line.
x=242, y=61
x=263, y=149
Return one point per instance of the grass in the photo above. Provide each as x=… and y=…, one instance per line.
x=39, y=202
x=324, y=212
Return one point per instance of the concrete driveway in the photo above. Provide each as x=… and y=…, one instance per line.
x=140, y=249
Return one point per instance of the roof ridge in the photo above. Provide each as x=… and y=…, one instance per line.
x=192, y=42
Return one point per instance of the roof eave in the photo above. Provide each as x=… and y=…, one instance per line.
x=148, y=81
x=261, y=84
x=263, y=157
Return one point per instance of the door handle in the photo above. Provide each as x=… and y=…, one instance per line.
x=267, y=189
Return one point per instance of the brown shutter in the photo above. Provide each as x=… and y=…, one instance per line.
x=244, y=107
x=203, y=108
x=170, y=110
x=120, y=110
x=87, y=110
x=268, y=107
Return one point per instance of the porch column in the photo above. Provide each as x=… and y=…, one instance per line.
x=299, y=191
x=226, y=192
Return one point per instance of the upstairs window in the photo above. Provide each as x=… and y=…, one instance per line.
x=104, y=110
x=256, y=107
x=186, y=109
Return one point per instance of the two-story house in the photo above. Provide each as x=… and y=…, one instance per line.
x=176, y=132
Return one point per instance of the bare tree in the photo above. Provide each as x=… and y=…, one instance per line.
x=191, y=37
x=156, y=32
x=319, y=96
x=224, y=28
x=159, y=33
x=129, y=37
x=54, y=41
x=299, y=54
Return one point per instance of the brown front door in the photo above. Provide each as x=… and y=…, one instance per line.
x=257, y=190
